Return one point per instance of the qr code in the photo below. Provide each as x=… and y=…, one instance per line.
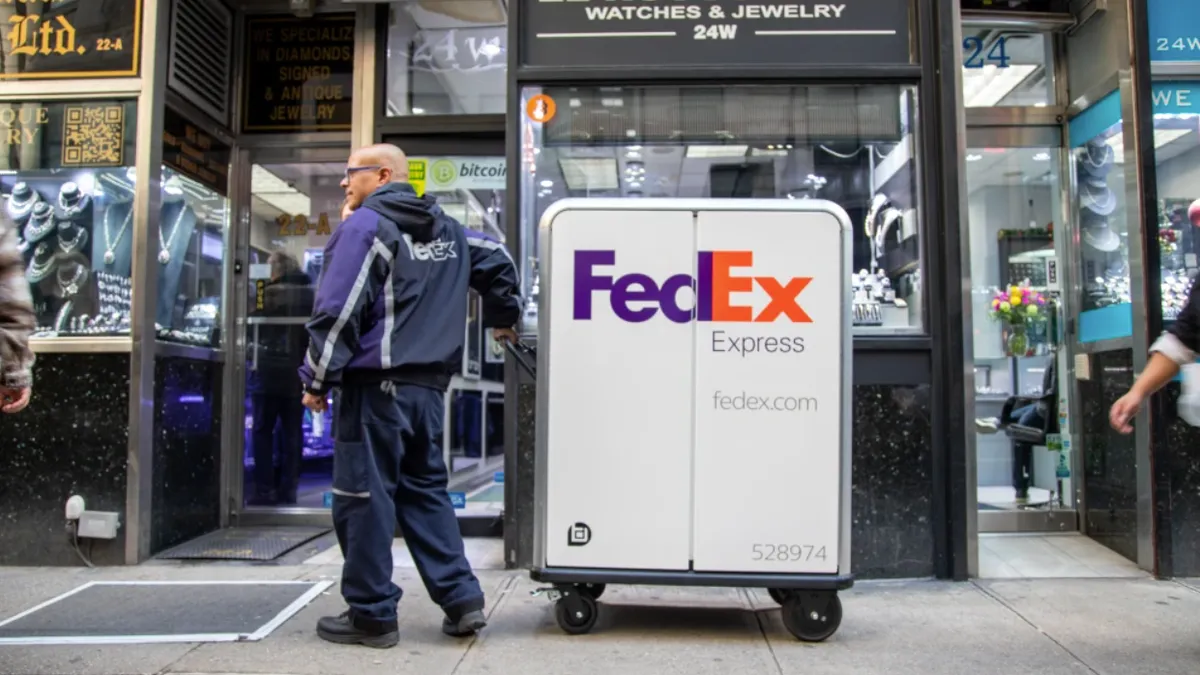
x=93, y=135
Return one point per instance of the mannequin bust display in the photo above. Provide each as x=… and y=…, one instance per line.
x=21, y=202
x=39, y=224
x=112, y=245
x=72, y=202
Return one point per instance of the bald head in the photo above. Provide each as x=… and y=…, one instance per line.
x=370, y=168
x=383, y=155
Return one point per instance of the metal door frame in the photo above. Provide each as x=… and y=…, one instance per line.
x=282, y=149
x=1049, y=136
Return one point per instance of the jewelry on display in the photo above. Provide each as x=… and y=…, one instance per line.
x=71, y=199
x=110, y=245
x=75, y=242
x=41, y=264
x=22, y=200
x=70, y=287
x=164, y=246
x=1093, y=203
x=40, y=224
x=1089, y=159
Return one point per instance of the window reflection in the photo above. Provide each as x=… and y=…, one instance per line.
x=446, y=57
x=852, y=145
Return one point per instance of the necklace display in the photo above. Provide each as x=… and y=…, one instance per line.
x=76, y=240
x=40, y=224
x=70, y=285
x=164, y=246
x=41, y=264
x=110, y=245
x=18, y=206
x=71, y=200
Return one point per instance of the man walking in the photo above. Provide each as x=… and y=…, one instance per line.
x=16, y=324
x=387, y=330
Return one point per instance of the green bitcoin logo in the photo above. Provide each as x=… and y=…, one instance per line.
x=443, y=172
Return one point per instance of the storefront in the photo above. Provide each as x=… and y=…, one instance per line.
x=961, y=140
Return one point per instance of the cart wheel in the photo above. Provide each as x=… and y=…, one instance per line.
x=779, y=595
x=593, y=590
x=576, y=613
x=812, y=617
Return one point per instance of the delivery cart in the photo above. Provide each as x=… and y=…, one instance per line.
x=693, y=437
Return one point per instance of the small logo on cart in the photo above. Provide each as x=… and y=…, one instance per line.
x=579, y=534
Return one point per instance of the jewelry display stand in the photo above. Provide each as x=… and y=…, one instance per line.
x=1105, y=270
x=176, y=226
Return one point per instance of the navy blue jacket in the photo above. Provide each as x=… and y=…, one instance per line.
x=391, y=302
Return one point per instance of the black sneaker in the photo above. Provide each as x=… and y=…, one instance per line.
x=346, y=629
x=465, y=626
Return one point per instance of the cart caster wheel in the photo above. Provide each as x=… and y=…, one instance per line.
x=812, y=617
x=779, y=595
x=593, y=590
x=576, y=613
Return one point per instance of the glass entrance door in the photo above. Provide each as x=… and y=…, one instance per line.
x=287, y=451
x=1015, y=208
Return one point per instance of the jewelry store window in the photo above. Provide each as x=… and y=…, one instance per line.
x=1100, y=208
x=854, y=145
x=446, y=57
x=189, y=234
x=63, y=169
x=1177, y=159
x=1004, y=67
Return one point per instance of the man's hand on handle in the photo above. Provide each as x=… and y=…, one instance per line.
x=505, y=335
x=314, y=403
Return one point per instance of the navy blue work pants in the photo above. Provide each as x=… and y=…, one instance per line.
x=388, y=468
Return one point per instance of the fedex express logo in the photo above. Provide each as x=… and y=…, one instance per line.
x=638, y=297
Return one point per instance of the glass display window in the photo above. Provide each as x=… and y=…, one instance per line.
x=1003, y=67
x=1100, y=209
x=854, y=145
x=1177, y=166
x=446, y=57
x=65, y=171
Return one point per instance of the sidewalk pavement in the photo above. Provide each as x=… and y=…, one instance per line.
x=918, y=627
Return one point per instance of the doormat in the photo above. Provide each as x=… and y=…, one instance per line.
x=143, y=612
x=244, y=543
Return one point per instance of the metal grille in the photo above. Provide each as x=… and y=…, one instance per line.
x=201, y=55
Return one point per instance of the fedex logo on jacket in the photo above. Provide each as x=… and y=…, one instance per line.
x=638, y=297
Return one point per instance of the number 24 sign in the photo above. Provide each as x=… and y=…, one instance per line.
x=977, y=54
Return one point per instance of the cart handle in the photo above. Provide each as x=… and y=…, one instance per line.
x=522, y=352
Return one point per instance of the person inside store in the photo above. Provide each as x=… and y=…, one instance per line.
x=275, y=388
x=1175, y=348
x=17, y=322
x=387, y=330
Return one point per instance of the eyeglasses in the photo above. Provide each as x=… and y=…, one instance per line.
x=351, y=170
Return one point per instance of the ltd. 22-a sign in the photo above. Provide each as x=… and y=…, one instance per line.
x=44, y=39
x=563, y=33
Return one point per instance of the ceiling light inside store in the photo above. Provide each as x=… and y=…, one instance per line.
x=418, y=111
x=716, y=151
x=974, y=158
x=547, y=183
x=1161, y=137
x=277, y=193
x=987, y=86
x=592, y=173
x=1042, y=157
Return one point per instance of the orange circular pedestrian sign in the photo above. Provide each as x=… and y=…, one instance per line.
x=540, y=108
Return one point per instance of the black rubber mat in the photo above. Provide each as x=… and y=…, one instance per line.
x=150, y=611
x=244, y=543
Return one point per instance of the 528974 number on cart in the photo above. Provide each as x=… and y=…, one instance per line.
x=787, y=552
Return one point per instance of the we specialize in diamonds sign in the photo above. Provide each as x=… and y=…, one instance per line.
x=566, y=33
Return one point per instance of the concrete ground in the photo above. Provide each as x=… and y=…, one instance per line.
x=1044, y=626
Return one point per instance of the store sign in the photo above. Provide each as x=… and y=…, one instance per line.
x=440, y=174
x=66, y=135
x=1174, y=30
x=581, y=33
x=1176, y=98
x=195, y=153
x=63, y=38
x=299, y=74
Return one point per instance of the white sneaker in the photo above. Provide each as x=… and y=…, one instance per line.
x=987, y=425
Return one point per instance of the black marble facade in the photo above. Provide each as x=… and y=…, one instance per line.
x=187, y=451
x=72, y=439
x=1109, y=458
x=892, y=503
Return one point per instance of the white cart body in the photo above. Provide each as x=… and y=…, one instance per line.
x=694, y=382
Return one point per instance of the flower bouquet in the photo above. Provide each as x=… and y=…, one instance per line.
x=1017, y=307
